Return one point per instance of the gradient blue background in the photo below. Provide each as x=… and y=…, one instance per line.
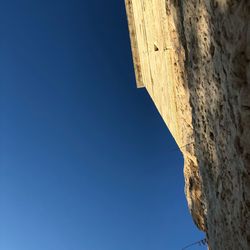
x=85, y=161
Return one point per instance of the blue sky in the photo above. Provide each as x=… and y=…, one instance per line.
x=84, y=161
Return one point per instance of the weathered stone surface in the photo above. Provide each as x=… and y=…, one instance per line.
x=193, y=57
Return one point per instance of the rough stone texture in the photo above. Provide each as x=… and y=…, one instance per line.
x=193, y=57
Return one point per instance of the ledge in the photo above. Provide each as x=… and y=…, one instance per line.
x=134, y=44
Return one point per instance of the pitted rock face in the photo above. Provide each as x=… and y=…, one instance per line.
x=217, y=65
x=199, y=79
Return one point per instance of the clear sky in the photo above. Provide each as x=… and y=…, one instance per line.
x=84, y=161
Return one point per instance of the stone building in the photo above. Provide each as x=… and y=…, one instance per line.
x=193, y=57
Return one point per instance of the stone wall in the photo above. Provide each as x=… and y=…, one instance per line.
x=193, y=57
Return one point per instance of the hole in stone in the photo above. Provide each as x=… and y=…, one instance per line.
x=191, y=183
x=212, y=49
x=156, y=48
x=212, y=136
